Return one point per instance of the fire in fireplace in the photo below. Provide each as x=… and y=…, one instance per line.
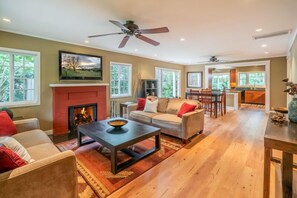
x=81, y=115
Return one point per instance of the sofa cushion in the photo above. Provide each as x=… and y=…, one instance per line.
x=185, y=108
x=193, y=102
x=143, y=116
x=7, y=127
x=151, y=106
x=168, y=121
x=162, y=105
x=32, y=138
x=9, y=159
x=174, y=105
x=16, y=147
x=42, y=150
x=140, y=103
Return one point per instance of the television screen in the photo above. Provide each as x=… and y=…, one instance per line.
x=75, y=66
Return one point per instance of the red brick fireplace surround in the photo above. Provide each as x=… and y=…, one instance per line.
x=66, y=95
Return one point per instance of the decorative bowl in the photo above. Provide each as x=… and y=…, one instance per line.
x=282, y=110
x=117, y=123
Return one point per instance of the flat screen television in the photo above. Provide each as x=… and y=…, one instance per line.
x=74, y=66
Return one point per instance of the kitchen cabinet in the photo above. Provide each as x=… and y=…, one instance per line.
x=255, y=97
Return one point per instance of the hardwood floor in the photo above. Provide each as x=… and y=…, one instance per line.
x=225, y=161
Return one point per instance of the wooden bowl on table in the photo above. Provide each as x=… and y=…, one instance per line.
x=117, y=123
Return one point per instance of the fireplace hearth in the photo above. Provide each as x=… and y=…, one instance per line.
x=81, y=114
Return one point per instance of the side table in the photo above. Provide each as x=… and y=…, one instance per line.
x=124, y=105
x=281, y=137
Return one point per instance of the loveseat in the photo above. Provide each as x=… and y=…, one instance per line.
x=166, y=117
x=52, y=174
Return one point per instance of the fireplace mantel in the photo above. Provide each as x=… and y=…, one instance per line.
x=78, y=84
x=67, y=95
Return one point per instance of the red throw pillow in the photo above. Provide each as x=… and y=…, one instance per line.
x=185, y=108
x=140, y=104
x=7, y=127
x=9, y=159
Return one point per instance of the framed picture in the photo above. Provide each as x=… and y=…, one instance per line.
x=75, y=66
x=194, y=79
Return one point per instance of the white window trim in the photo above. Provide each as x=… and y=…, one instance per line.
x=130, y=81
x=169, y=69
x=248, y=85
x=36, y=78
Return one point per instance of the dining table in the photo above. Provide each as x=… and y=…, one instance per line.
x=215, y=95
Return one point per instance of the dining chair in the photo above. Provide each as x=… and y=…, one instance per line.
x=193, y=96
x=206, y=100
x=221, y=102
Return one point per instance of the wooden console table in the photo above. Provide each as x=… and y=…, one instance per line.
x=284, y=138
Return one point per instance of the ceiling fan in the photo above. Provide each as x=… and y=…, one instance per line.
x=131, y=29
x=212, y=59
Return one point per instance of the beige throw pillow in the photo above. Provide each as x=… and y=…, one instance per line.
x=16, y=147
x=151, y=106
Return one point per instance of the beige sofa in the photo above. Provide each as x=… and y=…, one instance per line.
x=166, y=117
x=52, y=174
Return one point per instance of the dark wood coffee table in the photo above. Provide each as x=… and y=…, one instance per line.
x=120, y=139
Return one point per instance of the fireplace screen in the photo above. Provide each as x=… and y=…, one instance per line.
x=81, y=115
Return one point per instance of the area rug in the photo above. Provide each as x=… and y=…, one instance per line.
x=93, y=163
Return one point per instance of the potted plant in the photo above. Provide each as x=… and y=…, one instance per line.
x=292, y=108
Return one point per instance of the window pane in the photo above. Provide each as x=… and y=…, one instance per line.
x=19, y=95
x=18, y=60
x=4, y=94
x=120, y=78
x=29, y=61
x=169, y=82
x=17, y=77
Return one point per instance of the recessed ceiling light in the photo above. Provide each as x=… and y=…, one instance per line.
x=86, y=41
x=259, y=30
x=136, y=50
x=264, y=45
x=182, y=39
x=6, y=20
x=266, y=52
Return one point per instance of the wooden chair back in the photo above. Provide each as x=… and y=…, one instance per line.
x=192, y=94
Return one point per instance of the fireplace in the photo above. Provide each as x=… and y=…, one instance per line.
x=75, y=95
x=81, y=114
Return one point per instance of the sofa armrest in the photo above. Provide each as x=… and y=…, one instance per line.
x=131, y=107
x=192, y=123
x=54, y=176
x=26, y=124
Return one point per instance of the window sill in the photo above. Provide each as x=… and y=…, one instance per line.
x=19, y=105
x=121, y=96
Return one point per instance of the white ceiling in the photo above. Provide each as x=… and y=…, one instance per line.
x=214, y=27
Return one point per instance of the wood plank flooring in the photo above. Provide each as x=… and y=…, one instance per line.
x=225, y=161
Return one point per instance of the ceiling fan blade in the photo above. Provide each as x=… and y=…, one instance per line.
x=148, y=40
x=154, y=30
x=119, y=25
x=105, y=34
x=124, y=41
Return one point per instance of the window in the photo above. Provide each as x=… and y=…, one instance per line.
x=120, y=79
x=220, y=80
x=168, y=82
x=253, y=79
x=19, y=78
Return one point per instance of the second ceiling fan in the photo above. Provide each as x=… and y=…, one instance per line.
x=131, y=29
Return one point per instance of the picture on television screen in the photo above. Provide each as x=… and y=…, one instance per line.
x=74, y=66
